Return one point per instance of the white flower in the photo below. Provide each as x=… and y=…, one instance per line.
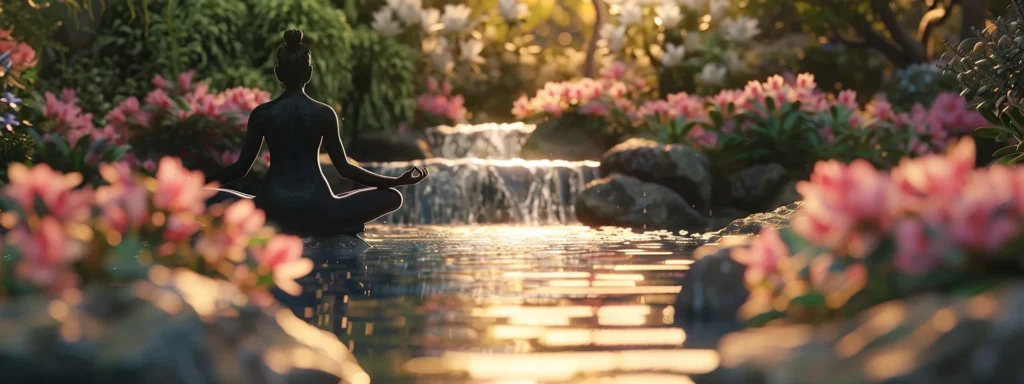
x=741, y=29
x=614, y=36
x=512, y=10
x=712, y=74
x=385, y=24
x=456, y=17
x=408, y=11
x=430, y=19
x=670, y=14
x=471, y=51
x=440, y=55
x=673, y=55
x=630, y=13
x=734, y=62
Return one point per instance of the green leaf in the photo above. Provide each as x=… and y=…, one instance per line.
x=1004, y=151
x=990, y=132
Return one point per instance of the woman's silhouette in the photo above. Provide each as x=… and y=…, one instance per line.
x=295, y=194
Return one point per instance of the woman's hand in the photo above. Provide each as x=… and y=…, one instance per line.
x=412, y=176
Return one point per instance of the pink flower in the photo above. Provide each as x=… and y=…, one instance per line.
x=178, y=189
x=805, y=81
x=180, y=227
x=185, y=79
x=242, y=218
x=848, y=99
x=765, y=257
x=923, y=182
x=159, y=98
x=917, y=251
x=283, y=256
x=47, y=253
x=55, y=190
x=838, y=199
x=982, y=219
x=615, y=71
x=159, y=82
x=22, y=56
x=125, y=202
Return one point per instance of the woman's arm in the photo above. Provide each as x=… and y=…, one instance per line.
x=250, y=151
x=336, y=151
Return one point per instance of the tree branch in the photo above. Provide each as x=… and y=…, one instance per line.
x=873, y=40
x=934, y=18
x=909, y=46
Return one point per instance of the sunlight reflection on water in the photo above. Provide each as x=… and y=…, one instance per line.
x=506, y=304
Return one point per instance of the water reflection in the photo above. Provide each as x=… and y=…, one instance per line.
x=506, y=304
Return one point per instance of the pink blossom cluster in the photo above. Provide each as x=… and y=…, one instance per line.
x=935, y=208
x=62, y=224
x=22, y=55
x=440, y=103
x=589, y=97
x=180, y=102
x=69, y=120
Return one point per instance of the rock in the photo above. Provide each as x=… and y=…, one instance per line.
x=566, y=138
x=754, y=188
x=380, y=148
x=678, y=167
x=625, y=201
x=712, y=290
x=179, y=327
x=930, y=338
x=752, y=224
x=722, y=217
x=786, y=195
x=483, y=141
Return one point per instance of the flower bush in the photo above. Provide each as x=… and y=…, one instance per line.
x=606, y=103
x=58, y=235
x=919, y=83
x=183, y=118
x=864, y=236
x=439, y=107
x=787, y=121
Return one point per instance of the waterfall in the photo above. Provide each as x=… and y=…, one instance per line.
x=489, y=191
x=483, y=141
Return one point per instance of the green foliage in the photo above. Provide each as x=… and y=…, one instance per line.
x=15, y=147
x=384, y=84
x=327, y=33
x=84, y=156
x=166, y=37
x=35, y=21
x=990, y=68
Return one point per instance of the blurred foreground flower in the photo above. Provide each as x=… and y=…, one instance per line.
x=60, y=234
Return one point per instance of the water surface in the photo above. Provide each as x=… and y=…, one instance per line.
x=510, y=304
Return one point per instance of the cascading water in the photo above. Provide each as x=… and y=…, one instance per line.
x=483, y=141
x=487, y=191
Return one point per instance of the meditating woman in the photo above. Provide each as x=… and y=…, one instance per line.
x=295, y=194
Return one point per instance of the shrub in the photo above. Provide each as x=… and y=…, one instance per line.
x=989, y=69
x=168, y=36
x=58, y=236
x=66, y=139
x=439, y=107
x=384, y=88
x=183, y=118
x=795, y=124
x=863, y=236
x=325, y=31
x=608, y=101
x=17, y=61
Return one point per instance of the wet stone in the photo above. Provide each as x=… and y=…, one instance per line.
x=178, y=328
x=680, y=168
x=625, y=201
x=753, y=224
x=929, y=338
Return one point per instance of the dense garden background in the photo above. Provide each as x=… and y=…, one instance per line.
x=894, y=126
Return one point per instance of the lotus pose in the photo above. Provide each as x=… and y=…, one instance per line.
x=295, y=194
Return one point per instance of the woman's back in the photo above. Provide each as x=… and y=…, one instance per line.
x=293, y=127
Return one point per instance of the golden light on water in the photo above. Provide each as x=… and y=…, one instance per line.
x=563, y=366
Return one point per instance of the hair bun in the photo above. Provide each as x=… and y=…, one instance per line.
x=293, y=37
